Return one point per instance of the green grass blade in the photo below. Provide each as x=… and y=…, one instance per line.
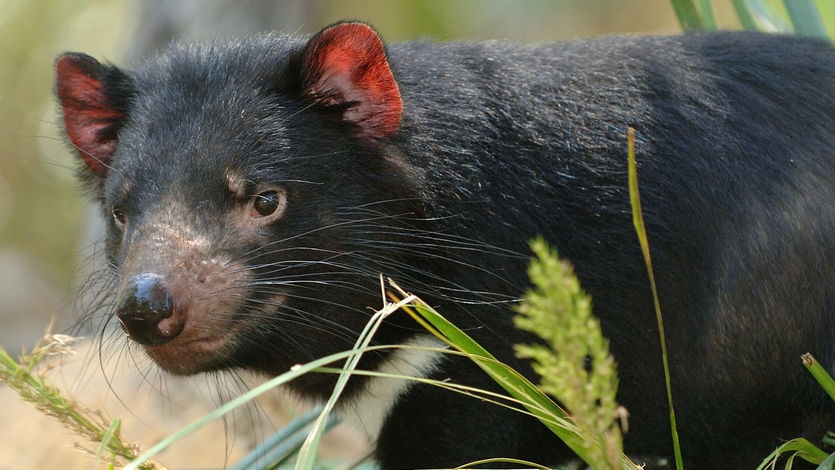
x=282, y=445
x=828, y=463
x=485, y=396
x=515, y=462
x=820, y=374
x=800, y=448
x=452, y=335
x=746, y=18
x=706, y=13
x=765, y=16
x=536, y=402
x=688, y=15
x=805, y=18
x=111, y=434
x=640, y=229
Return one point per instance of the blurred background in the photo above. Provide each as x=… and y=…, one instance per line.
x=47, y=230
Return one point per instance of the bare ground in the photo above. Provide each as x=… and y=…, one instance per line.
x=150, y=408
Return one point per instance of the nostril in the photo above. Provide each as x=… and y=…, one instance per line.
x=145, y=308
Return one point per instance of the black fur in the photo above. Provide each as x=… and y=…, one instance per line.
x=498, y=144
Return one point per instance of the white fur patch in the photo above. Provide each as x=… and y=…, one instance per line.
x=369, y=409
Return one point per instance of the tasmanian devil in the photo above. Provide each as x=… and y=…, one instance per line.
x=255, y=192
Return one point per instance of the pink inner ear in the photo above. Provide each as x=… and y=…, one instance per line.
x=346, y=64
x=89, y=118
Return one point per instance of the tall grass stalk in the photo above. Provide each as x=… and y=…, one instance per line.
x=640, y=229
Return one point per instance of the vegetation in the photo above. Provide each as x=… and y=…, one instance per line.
x=28, y=377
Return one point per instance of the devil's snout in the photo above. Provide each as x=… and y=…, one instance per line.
x=146, y=311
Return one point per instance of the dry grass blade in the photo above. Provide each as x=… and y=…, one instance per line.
x=27, y=377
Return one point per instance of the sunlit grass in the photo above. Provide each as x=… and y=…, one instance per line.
x=27, y=376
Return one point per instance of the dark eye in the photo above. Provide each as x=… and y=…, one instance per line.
x=265, y=204
x=119, y=217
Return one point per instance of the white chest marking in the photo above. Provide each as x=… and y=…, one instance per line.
x=370, y=408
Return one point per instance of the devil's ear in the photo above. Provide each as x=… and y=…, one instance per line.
x=344, y=67
x=93, y=99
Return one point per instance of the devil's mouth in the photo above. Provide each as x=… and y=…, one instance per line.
x=190, y=356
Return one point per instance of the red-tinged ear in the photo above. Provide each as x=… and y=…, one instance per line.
x=93, y=102
x=344, y=67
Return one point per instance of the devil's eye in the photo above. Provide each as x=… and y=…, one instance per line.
x=265, y=204
x=119, y=216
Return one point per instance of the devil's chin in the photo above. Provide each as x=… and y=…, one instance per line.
x=191, y=357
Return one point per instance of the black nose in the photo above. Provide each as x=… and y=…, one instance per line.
x=144, y=305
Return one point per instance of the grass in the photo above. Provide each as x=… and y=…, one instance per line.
x=643, y=240
x=594, y=437
x=800, y=17
x=799, y=447
x=27, y=376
